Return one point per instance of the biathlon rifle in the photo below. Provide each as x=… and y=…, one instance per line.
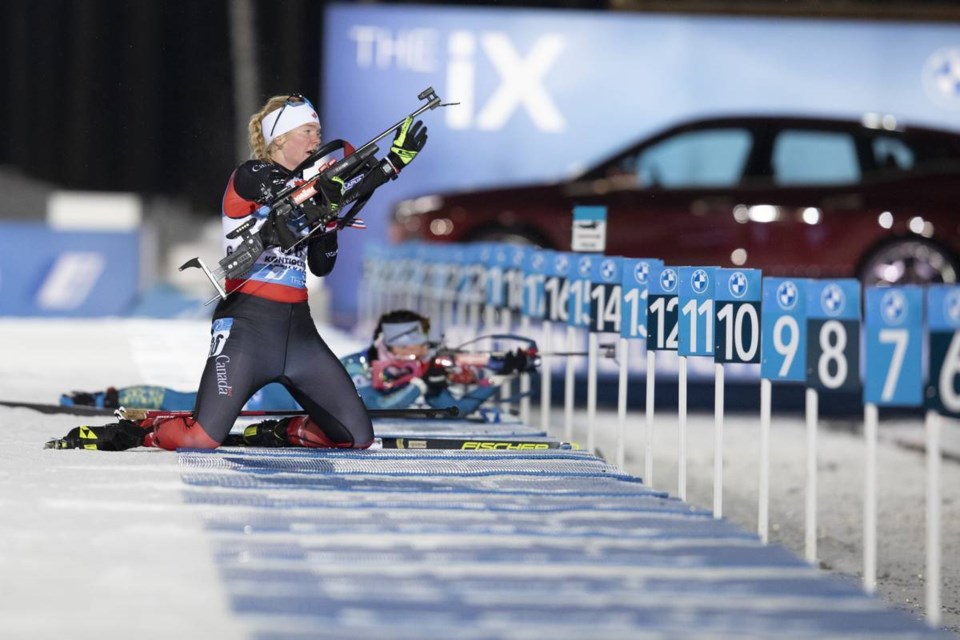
x=461, y=355
x=356, y=162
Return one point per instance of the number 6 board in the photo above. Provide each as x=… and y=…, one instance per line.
x=943, y=323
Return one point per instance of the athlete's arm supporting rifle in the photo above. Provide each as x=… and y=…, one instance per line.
x=238, y=263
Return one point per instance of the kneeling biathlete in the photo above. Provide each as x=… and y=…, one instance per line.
x=401, y=369
x=263, y=332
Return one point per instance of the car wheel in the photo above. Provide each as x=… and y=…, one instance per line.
x=910, y=261
x=512, y=236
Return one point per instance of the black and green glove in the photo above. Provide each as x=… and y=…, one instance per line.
x=323, y=207
x=332, y=191
x=410, y=139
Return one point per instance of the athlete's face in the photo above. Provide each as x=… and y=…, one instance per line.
x=296, y=146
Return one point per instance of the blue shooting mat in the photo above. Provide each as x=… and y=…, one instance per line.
x=532, y=544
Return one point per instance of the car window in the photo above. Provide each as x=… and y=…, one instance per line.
x=814, y=157
x=892, y=153
x=705, y=158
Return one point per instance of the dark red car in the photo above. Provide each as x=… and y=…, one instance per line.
x=796, y=196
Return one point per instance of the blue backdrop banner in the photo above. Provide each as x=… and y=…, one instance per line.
x=57, y=273
x=545, y=93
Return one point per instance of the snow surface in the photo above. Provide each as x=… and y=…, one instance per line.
x=96, y=545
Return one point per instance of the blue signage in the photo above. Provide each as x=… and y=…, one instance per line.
x=535, y=265
x=498, y=261
x=662, y=303
x=943, y=325
x=784, y=325
x=833, y=330
x=44, y=272
x=472, y=275
x=634, y=287
x=605, y=298
x=513, y=276
x=736, y=329
x=578, y=302
x=556, y=286
x=894, y=347
x=696, y=311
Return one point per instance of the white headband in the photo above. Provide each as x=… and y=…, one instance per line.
x=291, y=116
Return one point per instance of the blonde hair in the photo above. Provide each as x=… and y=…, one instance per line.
x=258, y=145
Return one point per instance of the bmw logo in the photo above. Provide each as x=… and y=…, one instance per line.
x=787, y=295
x=941, y=77
x=700, y=281
x=738, y=284
x=893, y=307
x=951, y=307
x=668, y=279
x=608, y=270
x=584, y=267
x=641, y=271
x=833, y=300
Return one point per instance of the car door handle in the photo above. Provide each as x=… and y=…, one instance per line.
x=842, y=201
x=705, y=206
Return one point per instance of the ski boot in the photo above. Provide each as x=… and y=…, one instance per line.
x=118, y=436
x=296, y=431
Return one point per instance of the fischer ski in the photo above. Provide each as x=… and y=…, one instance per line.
x=476, y=444
x=413, y=444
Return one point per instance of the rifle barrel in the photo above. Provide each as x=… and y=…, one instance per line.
x=433, y=104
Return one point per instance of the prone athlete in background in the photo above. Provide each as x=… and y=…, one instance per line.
x=263, y=332
x=400, y=369
x=405, y=369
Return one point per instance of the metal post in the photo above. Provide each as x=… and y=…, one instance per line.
x=623, y=348
x=682, y=431
x=870, y=419
x=811, y=501
x=932, y=573
x=591, y=389
x=525, y=378
x=763, y=509
x=568, y=390
x=718, y=408
x=546, y=376
x=651, y=380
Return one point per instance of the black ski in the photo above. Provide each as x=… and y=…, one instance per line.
x=57, y=409
x=425, y=413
